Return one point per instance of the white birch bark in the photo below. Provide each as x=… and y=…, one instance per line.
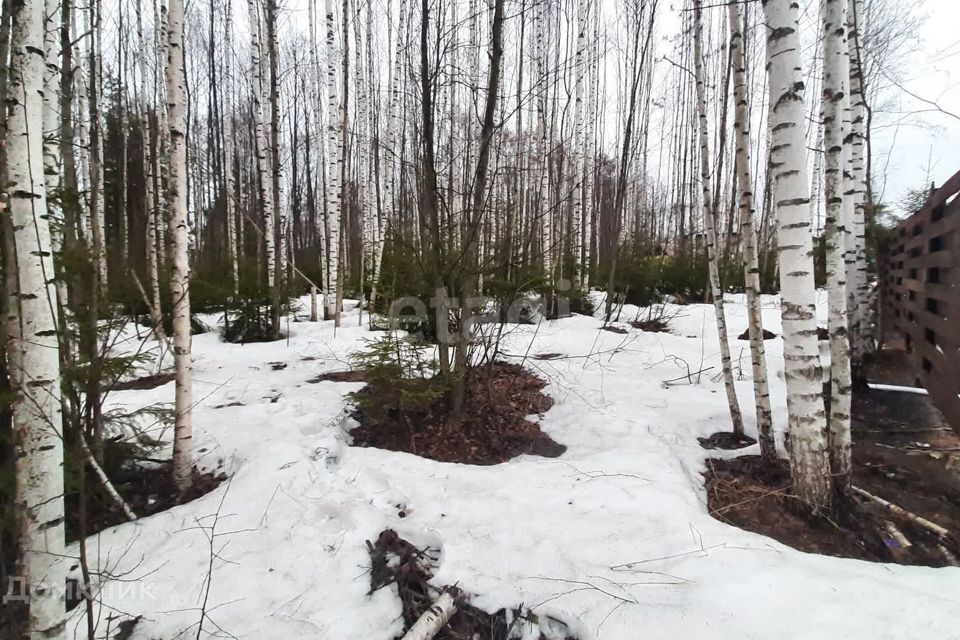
x=272, y=91
x=809, y=461
x=97, y=129
x=335, y=153
x=836, y=74
x=362, y=140
x=858, y=289
x=51, y=134
x=709, y=221
x=433, y=619
x=229, y=132
x=317, y=109
x=179, y=258
x=162, y=169
x=589, y=142
x=264, y=178
x=33, y=348
x=751, y=265
x=374, y=182
x=82, y=118
x=544, y=215
x=122, y=175
x=395, y=116
x=576, y=177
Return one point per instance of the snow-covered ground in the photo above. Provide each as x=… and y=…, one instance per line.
x=612, y=539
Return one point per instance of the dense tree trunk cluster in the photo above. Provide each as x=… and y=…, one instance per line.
x=443, y=149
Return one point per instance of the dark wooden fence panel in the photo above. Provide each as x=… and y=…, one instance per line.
x=920, y=294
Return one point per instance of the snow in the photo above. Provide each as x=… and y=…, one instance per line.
x=551, y=534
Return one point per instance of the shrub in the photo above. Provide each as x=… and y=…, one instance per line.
x=250, y=320
x=401, y=380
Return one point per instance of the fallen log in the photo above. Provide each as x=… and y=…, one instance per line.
x=105, y=481
x=433, y=619
x=948, y=556
x=920, y=521
x=897, y=543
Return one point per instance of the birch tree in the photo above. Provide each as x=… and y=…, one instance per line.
x=710, y=222
x=149, y=179
x=576, y=175
x=32, y=347
x=544, y=216
x=806, y=419
x=335, y=152
x=277, y=214
x=179, y=258
x=97, y=221
x=264, y=177
x=229, y=131
x=858, y=288
x=833, y=106
x=748, y=232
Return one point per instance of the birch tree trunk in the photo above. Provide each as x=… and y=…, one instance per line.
x=836, y=74
x=710, y=223
x=376, y=183
x=97, y=222
x=335, y=153
x=806, y=420
x=149, y=176
x=278, y=213
x=161, y=168
x=229, y=130
x=179, y=259
x=264, y=178
x=858, y=288
x=576, y=181
x=544, y=216
x=122, y=177
x=751, y=264
x=51, y=146
x=589, y=139
x=33, y=353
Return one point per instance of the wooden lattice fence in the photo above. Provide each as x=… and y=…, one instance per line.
x=920, y=294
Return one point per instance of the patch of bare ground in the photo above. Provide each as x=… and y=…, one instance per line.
x=612, y=328
x=903, y=453
x=726, y=440
x=655, y=325
x=146, y=382
x=394, y=561
x=767, y=335
x=547, y=356
x=354, y=375
x=493, y=428
x=147, y=490
x=13, y=618
x=752, y=495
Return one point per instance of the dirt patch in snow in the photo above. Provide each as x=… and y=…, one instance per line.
x=767, y=335
x=903, y=453
x=655, y=325
x=726, y=440
x=493, y=429
x=752, y=495
x=148, y=490
x=354, y=375
x=612, y=328
x=146, y=382
x=552, y=355
x=394, y=561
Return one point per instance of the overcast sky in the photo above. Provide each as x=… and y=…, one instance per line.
x=923, y=142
